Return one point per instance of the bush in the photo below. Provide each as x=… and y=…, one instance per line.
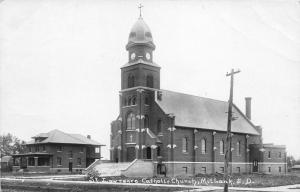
x=93, y=175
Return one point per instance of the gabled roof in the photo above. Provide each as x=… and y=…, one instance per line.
x=57, y=136
x=203, y=113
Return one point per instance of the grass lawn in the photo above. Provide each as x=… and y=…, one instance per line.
x=261, y=180
x=249, y=180
x=29, y=185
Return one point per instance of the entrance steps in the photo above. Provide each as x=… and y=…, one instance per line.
x=109, y=169
x=134, y=168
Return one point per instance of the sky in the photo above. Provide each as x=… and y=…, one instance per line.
x=60, y=61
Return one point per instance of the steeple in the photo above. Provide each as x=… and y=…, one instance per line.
x=140, y=70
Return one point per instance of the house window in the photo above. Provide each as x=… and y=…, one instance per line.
x=279, y=156
x=203, y=170
x=58, y=160
x=133, y=100
x=78, y=161
x=221, y=147
x=146, y=121
x=70, y=154
x=130, y=81
x=81, y=150
x=238, y=148
x=129, y=101
x=130, y=121
x=269, y=154
x=59, y=148
x=29, y=149
x=222, y=169
x=97, y=150
x=149, y=81
x=159, y=126
x=44, y=148
x=238, y=169
x=269, y=169
x=279, y=169
x=31, y=161
x=36, y=148
x=203, y=146
x=185, y=145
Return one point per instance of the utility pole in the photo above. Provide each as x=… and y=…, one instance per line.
x=228, y=137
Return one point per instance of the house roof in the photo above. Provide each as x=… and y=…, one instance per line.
x=203, y=113
x=57, y=136
x=296, y=167
x=271, y=145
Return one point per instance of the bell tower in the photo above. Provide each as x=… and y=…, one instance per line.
x=140, y=70
x=140, y=77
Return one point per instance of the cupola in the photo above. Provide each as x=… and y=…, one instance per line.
x=140, y=34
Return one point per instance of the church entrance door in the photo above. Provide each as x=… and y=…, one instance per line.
x=130, y=153
x=148, y=153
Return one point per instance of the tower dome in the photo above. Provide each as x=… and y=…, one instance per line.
x=140, y=34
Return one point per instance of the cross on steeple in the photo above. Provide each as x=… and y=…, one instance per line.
x=140, y=7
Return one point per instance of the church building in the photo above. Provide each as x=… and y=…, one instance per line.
x=183, y=133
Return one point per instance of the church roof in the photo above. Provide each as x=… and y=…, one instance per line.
x=140, y=34
x=57, y=136
x=203, y=113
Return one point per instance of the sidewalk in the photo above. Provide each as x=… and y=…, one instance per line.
x=53, y=179
x=286, y=188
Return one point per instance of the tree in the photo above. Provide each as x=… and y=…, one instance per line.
x=290, y=161
x=10, y=144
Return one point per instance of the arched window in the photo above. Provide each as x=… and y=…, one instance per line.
x=130, y=121
x=185, y=145
x=221, y=147
x=238, y=148
x=146, y=100
x=149, y=81
x=159, y=126
x=203, y=146
x=133, y=100
x=158, y=151
x=130, y=81
x=146, y=121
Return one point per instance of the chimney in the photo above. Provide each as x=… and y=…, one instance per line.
x=88, y=136
x=248, y=107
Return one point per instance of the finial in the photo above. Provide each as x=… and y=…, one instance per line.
x=140, y=7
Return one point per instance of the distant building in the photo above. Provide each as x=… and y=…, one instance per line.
x=181, y=133
x=295, y=169
x=57, y=151
x=6, y=163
